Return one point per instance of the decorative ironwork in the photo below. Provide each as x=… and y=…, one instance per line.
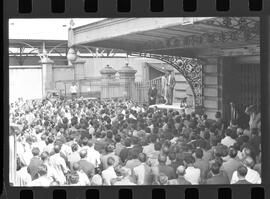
x=190, y=68
x=226, y=31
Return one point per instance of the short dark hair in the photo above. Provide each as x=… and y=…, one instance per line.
x=199, y=153
x=232, y=152
x=242, y=171
x=142, y=157
x=109, y=134
x=117, y=138
x=157, y=146
x=42, y=170
x=215, y=168
x=189, y=159
x=127, y=142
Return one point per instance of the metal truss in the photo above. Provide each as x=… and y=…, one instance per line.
x=190, y=68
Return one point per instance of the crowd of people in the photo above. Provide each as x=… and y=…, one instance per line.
x=82, y=142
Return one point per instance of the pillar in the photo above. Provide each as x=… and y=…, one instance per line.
x=127, y=79
x=212, y=86
x=47, y=75
x=108, y=88
x=79, y=74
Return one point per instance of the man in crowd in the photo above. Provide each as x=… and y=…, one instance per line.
x=152, y=95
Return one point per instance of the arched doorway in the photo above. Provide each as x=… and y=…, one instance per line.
x=190, y=68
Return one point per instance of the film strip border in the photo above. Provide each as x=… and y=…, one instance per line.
x=132, y=6
x=58, y=6
x=143, y=192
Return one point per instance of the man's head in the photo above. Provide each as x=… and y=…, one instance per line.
x=199, y=153
x=42, y=170
x=232, y=152
x=162, y=159
x=117, y=138
x=35, y=151
x=83, y=153
x=125, y=172
x=44, y=156
x=110, y=161
x=162, y=179
x=189, y=160
x=109, y=148
x=142, y=157
x=242, y=172
x=215, y=168
x=249, y=162
x=76, y=166
x=181, y=170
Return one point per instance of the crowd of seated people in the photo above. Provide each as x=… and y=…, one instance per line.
x=80, y=142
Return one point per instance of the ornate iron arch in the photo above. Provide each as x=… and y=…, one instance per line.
x=190, y=68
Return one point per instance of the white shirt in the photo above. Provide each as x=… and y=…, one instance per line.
x=52, y=173
x=124, y=181
x=60, y=166
x=83, y=179
x=66, y=150
x=228, y=141
x=93, y=156
x=23, y=178
x=252, y=177
x=43, y=181
x=142, y=174
x=41, y=145
x=73, y=89
x=193, y=175
x=149, y=149
x=107, y=175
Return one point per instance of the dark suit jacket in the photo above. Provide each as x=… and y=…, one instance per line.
x=152, y=92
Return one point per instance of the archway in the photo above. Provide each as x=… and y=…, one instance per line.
x=190, y=68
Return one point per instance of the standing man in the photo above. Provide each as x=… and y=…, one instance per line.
x=73, y=90
x=164, y=85
x=171, y=84
x=152, y=94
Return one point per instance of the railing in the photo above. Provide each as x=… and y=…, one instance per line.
x=142, y=88
x=110, y=88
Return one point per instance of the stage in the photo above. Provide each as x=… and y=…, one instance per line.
x=175, y=106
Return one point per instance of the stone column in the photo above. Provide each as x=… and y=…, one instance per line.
x=47, y=75
x=212, y=86
x=127, y=80
x=79, y=74
x=108, y=90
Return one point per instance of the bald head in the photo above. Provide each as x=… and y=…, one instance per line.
x=83, y=153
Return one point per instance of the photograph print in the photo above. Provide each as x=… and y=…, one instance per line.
x=134, y=101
